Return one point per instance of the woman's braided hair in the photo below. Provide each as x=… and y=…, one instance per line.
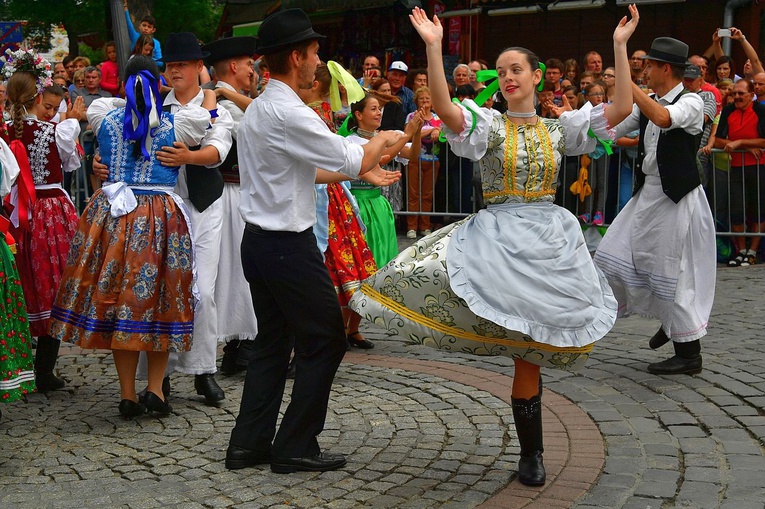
x=22, y=91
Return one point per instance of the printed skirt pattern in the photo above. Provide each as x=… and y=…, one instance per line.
x=42, y=254
x=128, y=280
x=348, y=256
x=17, y=375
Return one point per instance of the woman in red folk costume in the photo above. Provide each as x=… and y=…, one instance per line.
x=42, y=215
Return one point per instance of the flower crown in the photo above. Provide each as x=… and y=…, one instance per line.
x=30, y=61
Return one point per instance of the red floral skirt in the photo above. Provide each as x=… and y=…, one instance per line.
x=42, y=252
x=128, y=281
x=348, y=256
x=17, y=375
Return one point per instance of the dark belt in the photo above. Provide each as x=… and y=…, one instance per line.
x=257, y=230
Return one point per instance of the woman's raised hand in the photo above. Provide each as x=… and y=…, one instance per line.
x=626, y=28
x=431, y=32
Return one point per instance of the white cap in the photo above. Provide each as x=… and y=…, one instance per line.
x=398, y=65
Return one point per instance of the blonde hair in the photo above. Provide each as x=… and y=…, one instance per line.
x=419, y=93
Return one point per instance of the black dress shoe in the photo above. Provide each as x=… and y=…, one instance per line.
x=155, y=405
x=229, y=365
x=239, y=457
x=322, y=462
x=658, y=340
x=362, y=343
x=130, y=409
x=676, y=365
x=207, y=386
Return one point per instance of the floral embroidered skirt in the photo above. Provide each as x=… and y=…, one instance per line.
x=381, y=225
x=512, y=280
x=17, y=374
x=42, y=254
x=128, y=280
x=348, y=256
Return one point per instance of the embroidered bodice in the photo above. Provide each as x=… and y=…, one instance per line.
x=522, y=161
x=39, y=138
x=128, y=165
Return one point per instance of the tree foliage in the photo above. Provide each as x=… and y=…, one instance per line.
x=81, y=17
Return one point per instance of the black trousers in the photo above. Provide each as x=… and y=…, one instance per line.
x=296, y=306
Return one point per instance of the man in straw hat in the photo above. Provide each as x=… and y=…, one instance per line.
x=659, y=254
x=281, y=143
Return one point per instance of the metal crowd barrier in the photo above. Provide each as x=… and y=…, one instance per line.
x=457, y=190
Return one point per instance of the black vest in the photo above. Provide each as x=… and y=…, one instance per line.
x=205, y=185
x=676, y=155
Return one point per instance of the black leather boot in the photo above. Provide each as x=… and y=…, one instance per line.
x=527, y=414
x=228, y=364
x=209, y=388
x=658, y=340
x=45, y=360
x=686, y=361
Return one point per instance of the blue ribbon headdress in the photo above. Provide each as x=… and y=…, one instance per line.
x=138, y=126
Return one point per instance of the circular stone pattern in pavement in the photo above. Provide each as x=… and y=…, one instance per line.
x=419, y=439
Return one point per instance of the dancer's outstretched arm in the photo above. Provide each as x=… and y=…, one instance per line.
x=621, y=106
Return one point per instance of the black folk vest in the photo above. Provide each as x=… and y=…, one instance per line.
x=205, y=185
x=676, y=155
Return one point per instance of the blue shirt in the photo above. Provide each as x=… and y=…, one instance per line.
x=134, y=35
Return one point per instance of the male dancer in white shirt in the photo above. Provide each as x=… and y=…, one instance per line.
x=282, y=142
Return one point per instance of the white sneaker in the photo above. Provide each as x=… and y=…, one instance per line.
x=411, y=234
x=426, y=232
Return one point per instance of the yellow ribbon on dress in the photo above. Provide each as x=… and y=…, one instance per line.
x=581, y=187
x=353, y=90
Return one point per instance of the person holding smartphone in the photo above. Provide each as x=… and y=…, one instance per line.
x=715, y=51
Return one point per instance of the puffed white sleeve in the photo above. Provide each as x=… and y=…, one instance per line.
x=577, y=124
x=10, y=169
x=473, y=141
x=219, y=136
x=190, y=124
x=67, y=132
x=99, y=108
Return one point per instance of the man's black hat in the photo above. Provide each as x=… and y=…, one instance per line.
x=284, y=28
x=230, y=47
x=182, y=47
x=667, y=49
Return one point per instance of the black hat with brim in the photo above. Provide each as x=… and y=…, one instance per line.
x=669, y=50
x=182, y=47
x=230, y=47
x=283, y=29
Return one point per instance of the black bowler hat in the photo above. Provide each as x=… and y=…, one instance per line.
x=284, y=28
x=667, y=49
x=230, y=47
x=182, y=47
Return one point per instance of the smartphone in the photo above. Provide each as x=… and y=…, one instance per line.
x=723, y=32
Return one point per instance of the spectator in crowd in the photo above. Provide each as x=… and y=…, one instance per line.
x=147, y=26
x=758, y=82
x=703, y=64
x=393, y=117
x=725, y=67
x=461, y=75
x=110, y=73
x=742, y=134
x=474, y=66
x=68, y=62
x=573, y=96
x=554, y=75
x=417, y=78
x=637, y=66
x=423, y=170
x=89, y=93
x=397, y=73
x=725, y=87
x=595, y=203
x=460, y=169
x=545, y=97
x=609, y=78
x=571, y=71
x=593, y=62
x=79, y=64
x=370, y=71
x=144, y=45
x=59, y=68
x=692, y=81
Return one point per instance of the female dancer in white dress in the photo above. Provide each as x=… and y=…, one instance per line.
x=515, y=279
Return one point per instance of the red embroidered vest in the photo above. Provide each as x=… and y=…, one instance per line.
x=40, y=140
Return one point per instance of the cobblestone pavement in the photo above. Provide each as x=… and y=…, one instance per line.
x=424, y=428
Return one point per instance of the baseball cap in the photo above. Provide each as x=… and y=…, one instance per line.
x=398, y=65
x=692, y=72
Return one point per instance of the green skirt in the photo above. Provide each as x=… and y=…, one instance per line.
x=378, y=217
